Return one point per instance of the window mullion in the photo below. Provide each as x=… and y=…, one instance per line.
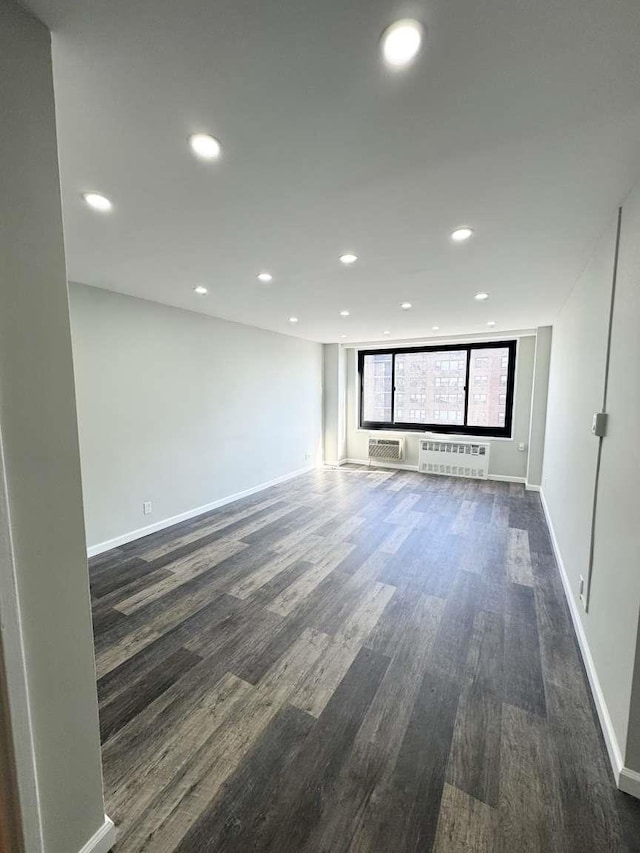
x=466, y=387
x=393, y=387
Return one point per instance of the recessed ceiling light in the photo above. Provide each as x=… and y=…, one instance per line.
x=401, y=42
x=201, y=290
x=461, y=234
x=266, y=277
x=344, y=313
x=97, y=201
x=205, y=146
x=435, y=328
x=348, y=259
x=491, y=323
x=387, y=332
x=293, y=319
x=343, y=336
x=481, y=296
x=405, y=306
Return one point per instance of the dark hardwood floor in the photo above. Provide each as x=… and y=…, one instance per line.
x=356, y=660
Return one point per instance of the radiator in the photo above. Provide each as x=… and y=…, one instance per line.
x=453, y=458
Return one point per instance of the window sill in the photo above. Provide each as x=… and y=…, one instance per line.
x=443, y=435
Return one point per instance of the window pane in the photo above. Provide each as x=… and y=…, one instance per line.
x=433, y=380
x=376, y=397
x=487, y=402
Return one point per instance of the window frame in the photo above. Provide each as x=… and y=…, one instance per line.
x=451, y=429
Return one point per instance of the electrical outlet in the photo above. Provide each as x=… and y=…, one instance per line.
x=307, y=457
x=146, y=507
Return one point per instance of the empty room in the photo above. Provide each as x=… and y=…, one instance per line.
x=319, y=405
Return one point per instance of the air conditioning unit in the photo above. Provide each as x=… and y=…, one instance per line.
x=386, y=448
x=454, y=458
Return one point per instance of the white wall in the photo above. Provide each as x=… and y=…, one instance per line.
x=183, y=410
x=506, y=459
x=44, y=585
x=575, y=392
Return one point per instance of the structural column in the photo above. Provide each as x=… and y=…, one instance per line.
x=334, y=404
x=48, y=670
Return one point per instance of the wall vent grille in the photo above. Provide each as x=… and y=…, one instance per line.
x=386, y=448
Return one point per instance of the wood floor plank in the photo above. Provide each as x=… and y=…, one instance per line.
x=390, y=631
x=107, y=618
x=306, y=796
x=277, y=563
x=321, y=682
x=527, y=514
x=579, y=763
x=483, y=547
x=451, y=646
x=153, y=769
x=127, y=704
x=330, y=613
x=367, y=771
x=530, y=817
x=403, y=813
x=160, y=616
x=181, y=571
x=150, y=625
x=110, y=577
x=171, y=541
x=464, y=517
x=301, y=532
x=109, y=600
x=290, y=628
x=294, y=594
x=474, y=761
x=231, y=822
x=395, y=537
x=465, y=825
x=519, y=557
x=124, y=676
x=420, y=620
x=205, y=770
x=523, y=682
x=399, y=512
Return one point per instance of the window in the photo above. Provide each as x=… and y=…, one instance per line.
x=377, y=378
x=461, y=388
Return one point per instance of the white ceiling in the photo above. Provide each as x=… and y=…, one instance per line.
x=520, y=118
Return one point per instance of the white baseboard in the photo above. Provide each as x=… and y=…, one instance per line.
x=103, y=840
x=132, y=535
x=505, y=478
x=378, y=464
x=629, y=782
x=626, y=780
x=532, y=487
